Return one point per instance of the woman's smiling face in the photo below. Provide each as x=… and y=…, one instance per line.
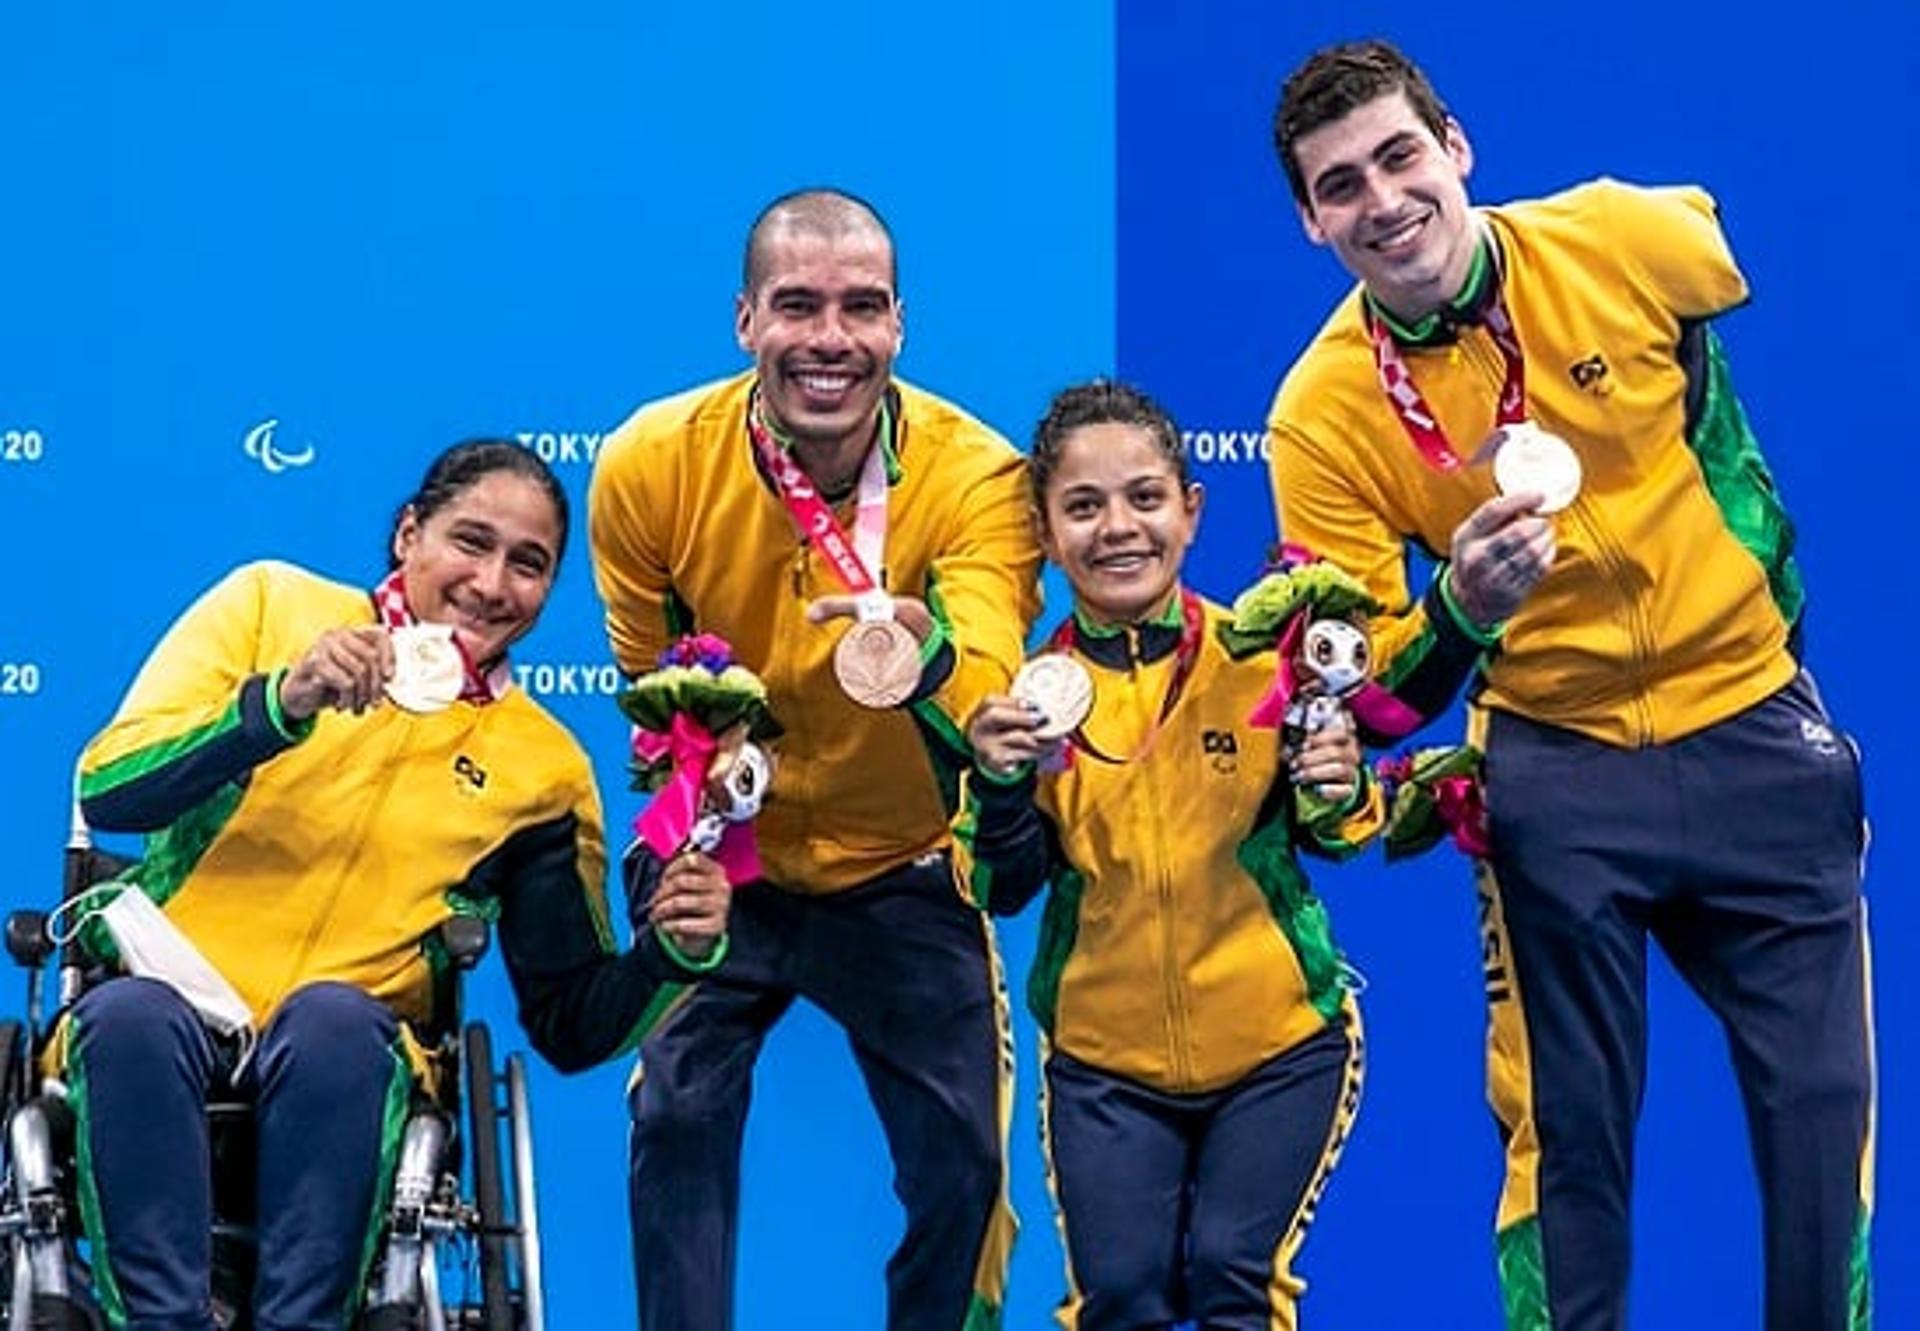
x=482, y=562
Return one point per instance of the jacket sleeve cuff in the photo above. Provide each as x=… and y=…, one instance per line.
x=998, y=787
x=937, y=660
x=290, y=731
x=1454, y=616
x=1323, y=815
x=690, y=966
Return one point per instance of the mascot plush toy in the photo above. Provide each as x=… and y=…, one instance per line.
x=1314, y=615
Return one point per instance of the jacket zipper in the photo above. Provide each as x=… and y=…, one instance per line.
x=1613, y=564
x=1171, y=973
x=798, y=799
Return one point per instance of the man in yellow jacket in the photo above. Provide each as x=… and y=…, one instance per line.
x=770, y=508
x=1626, y=610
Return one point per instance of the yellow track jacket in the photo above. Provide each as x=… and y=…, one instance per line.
x=330, y=850
x=1182, y=946
x=689, y=535
x=1672, y=600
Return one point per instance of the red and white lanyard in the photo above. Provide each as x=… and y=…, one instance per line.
x=1193, y=620
x=390, y=604
x=1410, y=405
x=858, y=562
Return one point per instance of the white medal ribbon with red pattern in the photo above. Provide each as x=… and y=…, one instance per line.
x=1410, y=405
x=857, y=562
x=390, y=604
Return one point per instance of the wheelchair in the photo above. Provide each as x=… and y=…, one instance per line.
x=449, y=1259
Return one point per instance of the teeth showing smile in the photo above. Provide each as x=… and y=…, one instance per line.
x=825, y=383
x=1400, y=236
x=1126, y=563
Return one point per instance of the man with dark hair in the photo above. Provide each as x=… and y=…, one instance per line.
x=1619, y=590
x=770, y=508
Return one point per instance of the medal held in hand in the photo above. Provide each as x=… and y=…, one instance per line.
x=1059, y=690
x=1529, y=460
x=428, y=672
x=1526, y=458
x=877, y=661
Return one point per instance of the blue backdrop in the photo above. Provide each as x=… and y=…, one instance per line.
x=254, y=269
x=1804, y=130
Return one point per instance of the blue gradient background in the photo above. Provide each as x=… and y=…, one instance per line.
x=392, y=227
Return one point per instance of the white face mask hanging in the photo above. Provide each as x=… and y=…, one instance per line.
x=152, y=946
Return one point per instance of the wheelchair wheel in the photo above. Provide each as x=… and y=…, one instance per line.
x=489, y=1188
x=26, y=1303
x=525, y=1197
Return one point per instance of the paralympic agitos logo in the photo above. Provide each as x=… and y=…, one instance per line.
x=260, y=446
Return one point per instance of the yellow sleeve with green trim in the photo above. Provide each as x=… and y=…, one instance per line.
x=1424, y=649
x=193, y=675
x=203, y=710
x=984, y=589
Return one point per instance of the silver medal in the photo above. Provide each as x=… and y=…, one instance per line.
x=1531, y=460
x=1059, y=689
x=428, y=672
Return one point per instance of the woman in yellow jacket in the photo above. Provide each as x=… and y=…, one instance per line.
x=326, y=772
x=1203, y=1053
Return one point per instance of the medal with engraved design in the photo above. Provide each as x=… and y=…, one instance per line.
x=1529, y=460
x=1059, y=691
x=428, y=672
x=877, y=661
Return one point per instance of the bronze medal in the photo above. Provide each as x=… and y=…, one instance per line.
x=877, y=663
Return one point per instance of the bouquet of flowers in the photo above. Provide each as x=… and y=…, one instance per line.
x=1297, y=588
x=1433, y=793
x=699, y=720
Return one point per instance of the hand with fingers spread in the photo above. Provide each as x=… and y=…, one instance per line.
x=909, y=610
x=690, y=904
x=1499, y=553
x=1327, y=760
x=1005, y=732
x=346, y=669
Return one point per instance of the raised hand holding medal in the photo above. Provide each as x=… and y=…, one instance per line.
x=428, y=670
x=1059, y=692
x=346, y=669
x=1506, y=545
x=877, y=660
